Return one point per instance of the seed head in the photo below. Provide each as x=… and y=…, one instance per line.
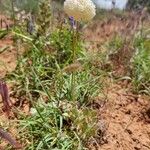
x=80, y=10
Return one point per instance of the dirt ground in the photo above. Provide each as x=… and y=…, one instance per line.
x=8, y=57
x=127, y=125
x=125, y=116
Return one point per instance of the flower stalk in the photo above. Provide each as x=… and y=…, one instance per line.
x=74, y=48
x=78, y=10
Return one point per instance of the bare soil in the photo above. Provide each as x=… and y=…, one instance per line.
x=8, y=57
x=127, y=120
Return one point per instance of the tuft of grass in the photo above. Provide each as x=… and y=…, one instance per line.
x=58, y=126
x=56, y=120
x=141, y=64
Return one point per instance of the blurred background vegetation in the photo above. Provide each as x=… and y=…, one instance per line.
x=138, y=4
x=32, y=5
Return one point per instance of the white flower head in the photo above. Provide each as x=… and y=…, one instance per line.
x=80, y=10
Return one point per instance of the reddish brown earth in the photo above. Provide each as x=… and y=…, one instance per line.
x=124, y=118
x=102, y=30
x=8, y=60
x=127, y=125
x=8, y=57
x=5, y=21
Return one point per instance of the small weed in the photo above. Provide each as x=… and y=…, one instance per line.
x=141, y=65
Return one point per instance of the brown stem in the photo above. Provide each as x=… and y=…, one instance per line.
x=5, y=135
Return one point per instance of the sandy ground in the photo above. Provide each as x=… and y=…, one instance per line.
x=125, y=116
x=8, y=57
x=126, y=119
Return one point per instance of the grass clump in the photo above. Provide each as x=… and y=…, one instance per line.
x=133, y=55
x=141, y=64
x=58, y=85
x=56, y=126
x=59, y=122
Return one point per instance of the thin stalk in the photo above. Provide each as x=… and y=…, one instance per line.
x=74, y=44
x=13, y=12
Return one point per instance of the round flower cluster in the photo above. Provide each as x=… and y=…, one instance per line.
x=80, y=10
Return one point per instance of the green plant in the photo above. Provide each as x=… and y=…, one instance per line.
x=136, y=4
x=56, y=126
x=44, y=18
x=115, y=44
x=44, y=78
x=86, y=86
x=3, y=33
x=61, y=40
x=59, y=123
x=5, y=7
x=57, y=80
x=69, y=47
x=21, y=5
x=27, y=5
x=141, y=65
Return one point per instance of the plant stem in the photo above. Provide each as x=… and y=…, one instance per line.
x=13, y=12
x=74, y=44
